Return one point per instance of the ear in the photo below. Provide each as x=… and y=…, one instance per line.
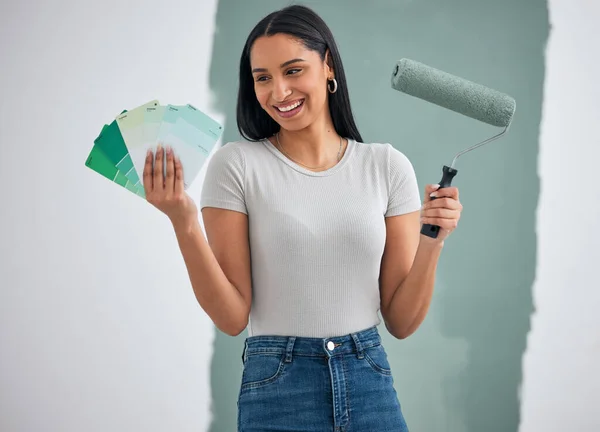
x=329, y=72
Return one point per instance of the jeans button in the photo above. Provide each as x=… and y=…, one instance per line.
x=330, y=346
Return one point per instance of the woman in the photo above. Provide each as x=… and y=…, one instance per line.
x=310, y=233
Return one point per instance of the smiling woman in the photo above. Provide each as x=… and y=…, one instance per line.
x=285, y=69
x=310, y=234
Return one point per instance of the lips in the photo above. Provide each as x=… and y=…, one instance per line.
x=289, y=109
x=289, y=106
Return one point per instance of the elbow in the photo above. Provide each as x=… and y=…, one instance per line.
x=236, y=331
x=236, y=328
x=401, y=332
x=231, y=331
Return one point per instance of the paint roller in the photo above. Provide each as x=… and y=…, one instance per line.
x=457, y=94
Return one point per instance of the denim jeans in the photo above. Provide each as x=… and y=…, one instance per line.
x=300, y=384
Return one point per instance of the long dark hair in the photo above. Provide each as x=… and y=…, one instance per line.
x=253, y=122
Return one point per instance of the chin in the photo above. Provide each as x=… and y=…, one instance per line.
x=292, y=125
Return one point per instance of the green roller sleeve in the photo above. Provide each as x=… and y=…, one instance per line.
x=454, y=93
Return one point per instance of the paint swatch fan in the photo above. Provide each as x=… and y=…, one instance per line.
x=119, y=152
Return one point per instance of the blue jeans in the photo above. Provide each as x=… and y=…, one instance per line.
x=336, y=384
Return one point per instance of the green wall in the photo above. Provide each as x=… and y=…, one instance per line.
x=462, y=370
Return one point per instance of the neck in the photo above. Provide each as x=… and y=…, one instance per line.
x=315, y=146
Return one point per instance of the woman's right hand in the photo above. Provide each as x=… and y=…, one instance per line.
x=167, y=193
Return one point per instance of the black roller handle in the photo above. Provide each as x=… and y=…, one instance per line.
x=448, y=174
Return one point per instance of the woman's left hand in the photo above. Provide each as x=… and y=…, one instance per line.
x=443, y=211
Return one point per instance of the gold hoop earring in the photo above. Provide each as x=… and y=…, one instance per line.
x=335, y=86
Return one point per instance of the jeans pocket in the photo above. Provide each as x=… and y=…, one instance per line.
x=377, y=358
x=261, y=369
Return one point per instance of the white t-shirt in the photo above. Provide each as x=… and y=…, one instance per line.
x=316, y=238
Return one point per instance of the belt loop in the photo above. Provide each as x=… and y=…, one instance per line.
x=244, y=354
x=359, y=348
x=290, y=348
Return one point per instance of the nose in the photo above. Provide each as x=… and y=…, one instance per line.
x=281, y=90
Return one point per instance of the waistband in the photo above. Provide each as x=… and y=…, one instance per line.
x=351, y=343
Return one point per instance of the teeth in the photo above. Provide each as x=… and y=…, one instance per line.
x=289, y=108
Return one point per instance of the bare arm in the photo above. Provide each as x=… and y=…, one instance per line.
x=408, y=275
x=410, y=262
x=219, y=269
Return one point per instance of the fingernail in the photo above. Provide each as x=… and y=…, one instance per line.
x=433, y=194
x=436, y=186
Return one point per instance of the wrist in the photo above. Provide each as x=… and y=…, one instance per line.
x=432, y=244
x=185, y=225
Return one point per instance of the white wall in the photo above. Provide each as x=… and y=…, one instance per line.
x=99, y=329
x=561, y=385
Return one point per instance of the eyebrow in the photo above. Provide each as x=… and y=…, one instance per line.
x=284, y=64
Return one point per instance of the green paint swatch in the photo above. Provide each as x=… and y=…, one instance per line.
x=111, y=143
x=100, y=163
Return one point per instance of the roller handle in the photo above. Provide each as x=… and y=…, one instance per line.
x=447, y=176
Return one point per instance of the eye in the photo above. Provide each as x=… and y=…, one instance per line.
x=261, y=78
x=293, y=71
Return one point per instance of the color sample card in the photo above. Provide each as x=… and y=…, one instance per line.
x=153, y=118
x=119, y=152
x=111, y=143
x=131, y=125
x=97, y=161
x=192, y=156
x=191, y=134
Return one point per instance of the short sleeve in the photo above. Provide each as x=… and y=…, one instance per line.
x=223, y=185
x=403, y=189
